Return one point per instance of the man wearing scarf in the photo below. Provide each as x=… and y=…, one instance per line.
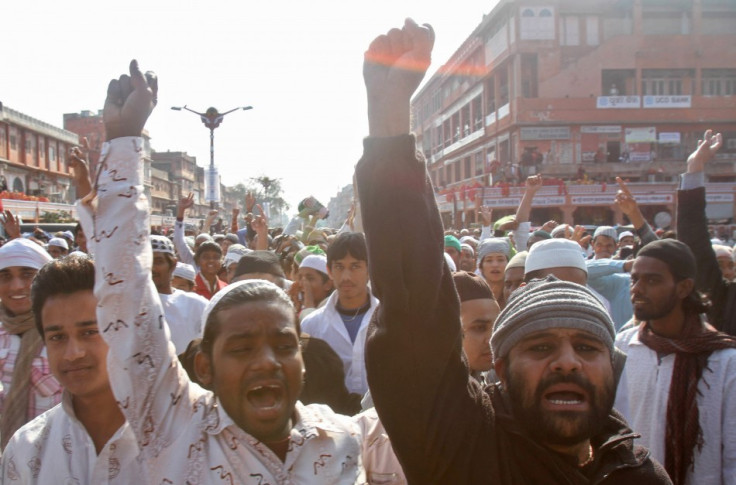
x=29, y=389
x=678, y=388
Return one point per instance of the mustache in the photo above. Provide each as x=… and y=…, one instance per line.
x=571, y=378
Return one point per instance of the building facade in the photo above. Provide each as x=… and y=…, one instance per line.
x=34, y=157
x=582, y=91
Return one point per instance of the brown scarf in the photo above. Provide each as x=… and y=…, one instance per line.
x=691, y=349
x=15, y=405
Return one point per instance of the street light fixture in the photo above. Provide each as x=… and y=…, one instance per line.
x=211, y=119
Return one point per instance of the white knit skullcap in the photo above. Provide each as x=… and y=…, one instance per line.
x=185, y=271
x=59, y=242
x=605, y=231
x=555, y=253
x=317, y=262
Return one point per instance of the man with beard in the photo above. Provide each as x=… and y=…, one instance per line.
x=679, y=383
x=549, y=420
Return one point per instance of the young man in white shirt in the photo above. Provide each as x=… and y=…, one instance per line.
x=343, y=321
x=183, y=310
x=250, y=426
x=85, y=439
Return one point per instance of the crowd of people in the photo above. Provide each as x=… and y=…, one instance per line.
x=388, y=351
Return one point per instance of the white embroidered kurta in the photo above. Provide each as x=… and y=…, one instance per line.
x=182, y=431
x=183, y=312
x=56, y=448
x=642, y=397
x=325, y=323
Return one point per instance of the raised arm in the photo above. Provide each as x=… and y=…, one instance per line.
x=627, y=203
x=186, y=255
x=419, y=383
x=260, y=225
x=144, y=372
x=521, y=232
x=692, y=226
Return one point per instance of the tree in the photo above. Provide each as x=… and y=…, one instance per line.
x=267, y=189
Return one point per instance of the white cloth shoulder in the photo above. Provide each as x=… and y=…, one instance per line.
x=183, y=311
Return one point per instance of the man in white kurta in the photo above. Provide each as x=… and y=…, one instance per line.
x=183, y=431
x=342, y=322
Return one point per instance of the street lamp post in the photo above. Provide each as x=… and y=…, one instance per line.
x=211, y=119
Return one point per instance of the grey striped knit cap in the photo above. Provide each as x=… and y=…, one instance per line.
x=550, y=303
x=494, y=245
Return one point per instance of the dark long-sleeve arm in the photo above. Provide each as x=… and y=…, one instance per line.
x=432, y=410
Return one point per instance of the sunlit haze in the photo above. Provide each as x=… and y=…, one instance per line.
x=297, y=63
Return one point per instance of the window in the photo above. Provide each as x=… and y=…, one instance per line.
x=477, y=113
x=458, y=177
x=490, y=89
x=468, y=172
x=569, y=30
x=537, y=23
x=455, y=127
x=13, y=142
x=718, y=22
x=591, y=30
x=618, y=82
x=479, y=163
x=665, y=22
x=718, y=82
x=52, y=153
x=663, y=82
x=529, y=75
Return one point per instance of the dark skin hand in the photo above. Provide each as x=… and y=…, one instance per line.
x=130, y=101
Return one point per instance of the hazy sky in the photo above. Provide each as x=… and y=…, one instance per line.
x=298, y=63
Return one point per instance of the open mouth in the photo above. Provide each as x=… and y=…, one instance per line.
x=266, y=398
x=566, y=397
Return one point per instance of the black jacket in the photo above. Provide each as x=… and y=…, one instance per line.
x=692, y=229
x=443, y=426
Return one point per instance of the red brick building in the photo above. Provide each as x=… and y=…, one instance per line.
x=90, y=125
x=582, y=91
x=34, y=157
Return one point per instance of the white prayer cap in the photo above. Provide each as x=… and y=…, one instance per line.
x=555, y=253
x=234, y=253
x=625, y=234
x=722, y=251
x=59, y=242
x=185, y=271
x=317, y=262
x=22, y=252
x=605, y=231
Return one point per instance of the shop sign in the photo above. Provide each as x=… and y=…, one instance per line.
x=502, y=202
x=654, y=199
x=718, y=198
x=667, y=101
x=605, y=129
x=640, y=135
x=592, y=199
x=608, y=102
x=545, y=133
x=673, y=138
x=548, y=201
